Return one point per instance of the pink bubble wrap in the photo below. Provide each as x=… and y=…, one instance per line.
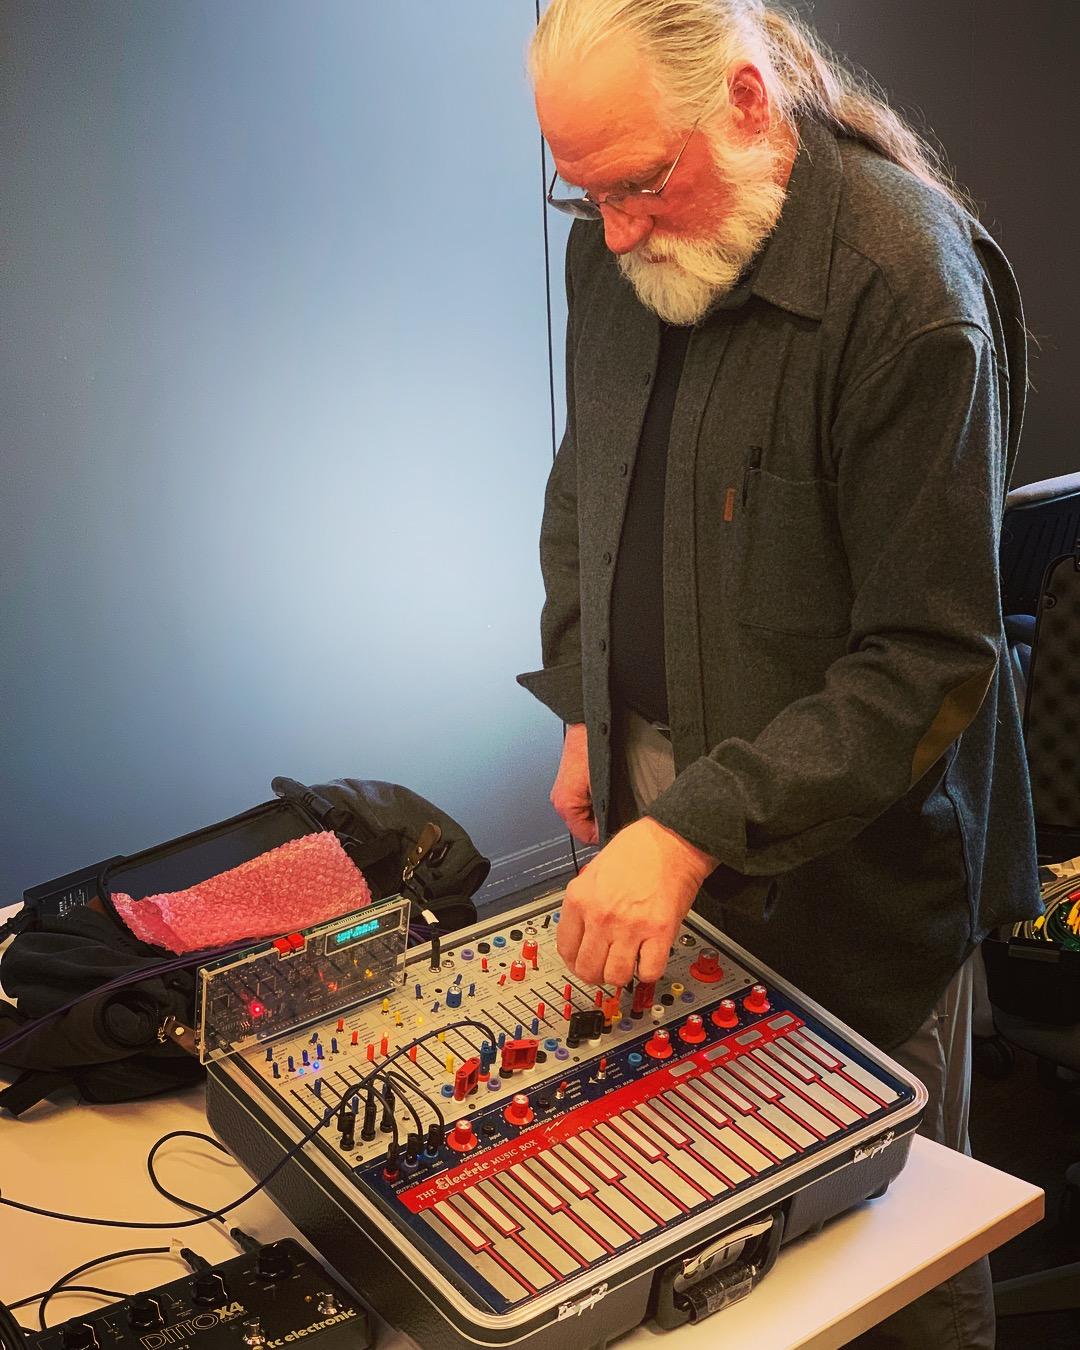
x=295, y=885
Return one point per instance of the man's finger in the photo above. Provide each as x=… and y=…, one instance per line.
x=592, y=955
x=653, y=959
x=570, y=931
x=619, y=966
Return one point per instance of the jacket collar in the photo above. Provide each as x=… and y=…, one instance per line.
x=793, y=268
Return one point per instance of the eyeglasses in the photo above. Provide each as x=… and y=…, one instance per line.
x=588, y=208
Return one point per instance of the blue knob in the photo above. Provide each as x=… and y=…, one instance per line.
x=453, y=998
x=447, y=1090
x=634, y=1059
x=499, y=941
x=551, y=1043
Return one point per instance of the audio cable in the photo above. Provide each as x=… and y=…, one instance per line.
x=355, y=1090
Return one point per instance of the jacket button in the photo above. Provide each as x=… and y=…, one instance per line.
x=607, y=559
x=601, y=644
x=603, y=728
x=647, y=379
x=624, y=469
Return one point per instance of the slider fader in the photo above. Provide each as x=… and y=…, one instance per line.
x=512, y=1157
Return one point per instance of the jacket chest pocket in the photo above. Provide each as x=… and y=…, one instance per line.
x=791, y=573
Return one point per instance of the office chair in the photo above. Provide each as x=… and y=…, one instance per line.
x=1040, y=567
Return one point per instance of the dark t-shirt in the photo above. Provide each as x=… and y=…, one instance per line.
x=637, y=598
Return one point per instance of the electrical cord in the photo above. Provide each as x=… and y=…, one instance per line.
x=59, y=1285
x=306, y=1137
x=12, y=1334
x=160, y=1187
x=69, y=1289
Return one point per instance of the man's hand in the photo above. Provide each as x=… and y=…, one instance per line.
x=571, y=794
x=627, y=904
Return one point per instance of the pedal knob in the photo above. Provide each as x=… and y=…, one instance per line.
x=519, y=1112
x=727, y=1015
x=208, y=1289
x=517, y=970
x=707, y=966
x=273, y=1262
x=757, y=1001
x=145, y=1314
x=529, y=951
x=462, y=1137
x=658, y=1046
x=79, y=1336
x=692, y=1030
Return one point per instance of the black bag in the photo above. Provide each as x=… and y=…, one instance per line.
x=124, y=1041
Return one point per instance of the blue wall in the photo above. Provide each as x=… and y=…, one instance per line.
x=276, y=423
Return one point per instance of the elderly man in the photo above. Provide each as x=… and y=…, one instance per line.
x=795, y=381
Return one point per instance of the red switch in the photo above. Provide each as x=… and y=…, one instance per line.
x=517, y=970
x=727, y=1015
x=519, y=1112
x=462, y=1137
x=707, y=966
x=658, y=1046
x=529, y=951
x=644, y=992
x=296, y=942
x=282, y=944
x=757, y=1001
x=692, y=1030
x=465, y=1079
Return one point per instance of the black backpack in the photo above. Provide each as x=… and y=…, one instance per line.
x=119, y=1012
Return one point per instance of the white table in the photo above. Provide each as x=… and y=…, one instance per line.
x=943, y=1212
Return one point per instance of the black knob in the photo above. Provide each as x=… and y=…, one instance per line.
x=78, y=1336
x=208, y=1288
x=274, y=1262
x=145, y=1314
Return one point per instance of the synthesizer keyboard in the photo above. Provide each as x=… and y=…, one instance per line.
x=543, y=1163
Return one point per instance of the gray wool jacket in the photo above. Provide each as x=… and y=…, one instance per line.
x=845, y=732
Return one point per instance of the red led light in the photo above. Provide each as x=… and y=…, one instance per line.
x=256, y=1009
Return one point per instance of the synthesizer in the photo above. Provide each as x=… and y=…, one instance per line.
x=494, y=1153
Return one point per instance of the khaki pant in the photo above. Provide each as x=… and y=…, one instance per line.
x=959, y=1314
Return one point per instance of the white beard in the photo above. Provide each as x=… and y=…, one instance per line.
x=680, y=279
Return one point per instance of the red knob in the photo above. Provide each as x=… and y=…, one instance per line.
x=462, y=1137
x=757, y=1001
x=519, y=1112
x=727, y=1015
x=707, y=966
x=528, y=951
x=517, y=970
x=658, y=1046
x=692, y=1030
